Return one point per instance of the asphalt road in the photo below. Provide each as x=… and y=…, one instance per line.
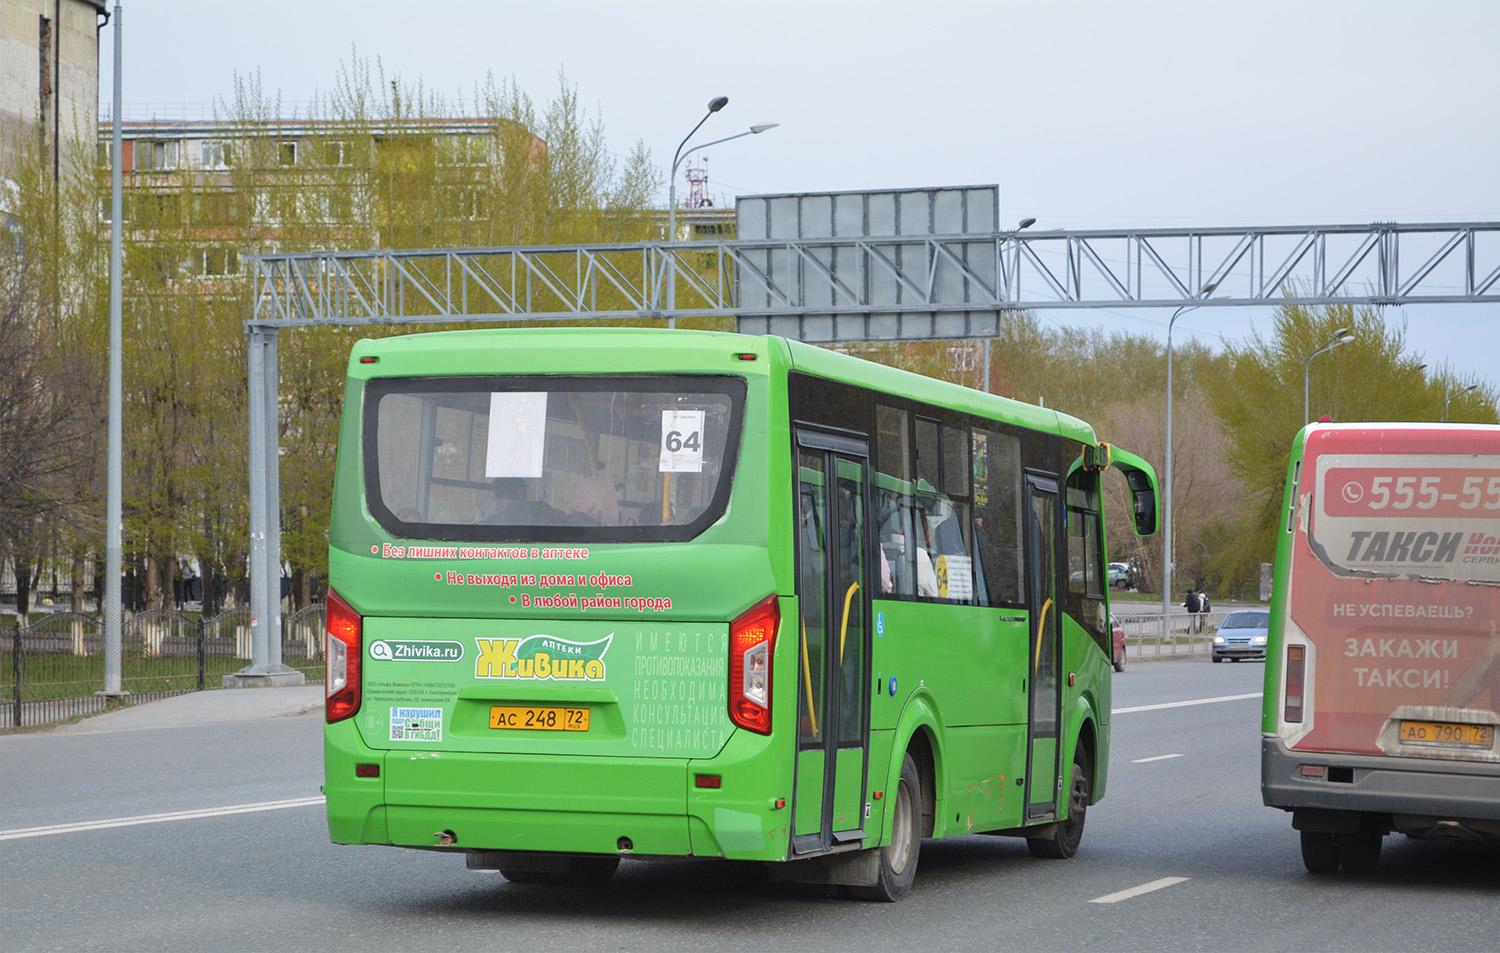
x=1180, y=855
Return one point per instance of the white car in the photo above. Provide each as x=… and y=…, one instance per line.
x=1242, y=634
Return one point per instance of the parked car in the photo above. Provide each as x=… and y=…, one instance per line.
x=1242, y=634
x=1120, y=576
x=1117, y=631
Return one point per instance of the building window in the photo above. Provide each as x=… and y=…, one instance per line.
x=463, y=149
x=287, y=153
x=339, y=152
x=217, y=155
x=217, y=262
x=156, y=155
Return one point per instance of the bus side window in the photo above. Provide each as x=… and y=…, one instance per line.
x=997, y=516
x=893, y=510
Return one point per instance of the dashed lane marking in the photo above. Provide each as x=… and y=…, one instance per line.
x=1160, y=757
x=1194, y=701
x=50, y=829
x=1137, y=891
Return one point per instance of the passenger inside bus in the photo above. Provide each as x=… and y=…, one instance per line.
x=592, y=502
x=514, y=504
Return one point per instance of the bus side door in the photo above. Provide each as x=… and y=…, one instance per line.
x=1042, y=564
x=833, y=648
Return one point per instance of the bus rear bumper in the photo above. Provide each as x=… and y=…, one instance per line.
x=551, y=804
x=1328, y=791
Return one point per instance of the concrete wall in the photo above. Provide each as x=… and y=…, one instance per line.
x=70, y=67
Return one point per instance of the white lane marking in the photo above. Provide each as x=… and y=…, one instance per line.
x=1160, y=757
x=1195, y=701
x=1137, y=891
x=50, y=829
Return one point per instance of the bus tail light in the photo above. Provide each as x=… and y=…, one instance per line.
x=344, y=648
x=751, y=639
x=1296, y=675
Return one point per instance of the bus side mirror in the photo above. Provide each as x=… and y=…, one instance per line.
x=1142, y=482
x=1143, y=502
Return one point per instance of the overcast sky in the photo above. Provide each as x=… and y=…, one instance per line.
x=1089, y=114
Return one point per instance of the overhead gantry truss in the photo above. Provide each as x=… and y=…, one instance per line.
x=860, y=288
x=883, y=288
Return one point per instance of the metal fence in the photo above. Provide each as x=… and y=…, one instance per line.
x=1176, y=635
x=53, y=668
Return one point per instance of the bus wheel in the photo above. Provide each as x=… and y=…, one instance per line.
x=898, y=859
x=1320, y=853
x=1066, y=834
x=1359, y=851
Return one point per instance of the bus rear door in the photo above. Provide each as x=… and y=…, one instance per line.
x=833, y=596
x=1042, y=566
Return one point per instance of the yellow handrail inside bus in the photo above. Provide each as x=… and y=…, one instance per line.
x=844, y=626
x=812, y=714
x=1041, y=623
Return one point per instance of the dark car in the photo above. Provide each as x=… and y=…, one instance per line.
x=1242, y=634
x=1117, y=631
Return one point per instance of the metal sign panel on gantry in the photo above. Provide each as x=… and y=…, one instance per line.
x=810, y=277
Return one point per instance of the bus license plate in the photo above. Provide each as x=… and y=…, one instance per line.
x=539, y=719
x=1447, y=734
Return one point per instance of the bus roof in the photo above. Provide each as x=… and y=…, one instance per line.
x=568, y=350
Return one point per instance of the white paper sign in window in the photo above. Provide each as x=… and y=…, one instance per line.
x=518, y=430
x=681, y=441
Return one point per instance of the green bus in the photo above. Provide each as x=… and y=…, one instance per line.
x=1382, y=692
x=605, y=593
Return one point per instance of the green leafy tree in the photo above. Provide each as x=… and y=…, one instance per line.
x=1260, y=401
x=50, y=374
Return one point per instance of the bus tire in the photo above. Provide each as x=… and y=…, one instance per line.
x=898, y=859
x=1359, y=850
x=1066, y=834
x=1320, y=852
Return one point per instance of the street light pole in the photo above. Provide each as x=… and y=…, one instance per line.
x=1166, y=553
x=1451, y=399
x=1341, y=336
x=113, y=545
x=672, y=211
x=714, y=105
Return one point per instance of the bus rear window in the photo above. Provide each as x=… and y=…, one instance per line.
x=570, y=459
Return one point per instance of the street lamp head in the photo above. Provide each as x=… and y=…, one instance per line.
x=762, y=127
x=1025, y=223
x=1341, y=336
x=717, y=103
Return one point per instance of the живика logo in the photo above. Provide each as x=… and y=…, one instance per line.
x=542, y=656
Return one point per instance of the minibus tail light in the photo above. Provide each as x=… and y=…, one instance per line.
x=1296, y=675
x=344, y=645
x=752, y=637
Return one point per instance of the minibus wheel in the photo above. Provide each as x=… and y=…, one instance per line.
x=898, y=859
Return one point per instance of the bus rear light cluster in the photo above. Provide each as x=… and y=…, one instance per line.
x=752, y=637
x=344, y=648
x=1296, y=676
